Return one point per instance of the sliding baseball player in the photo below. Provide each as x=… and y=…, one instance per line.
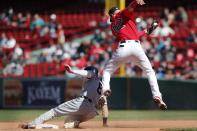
x=80, y=109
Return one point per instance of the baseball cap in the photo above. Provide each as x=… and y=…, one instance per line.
x=112, y=10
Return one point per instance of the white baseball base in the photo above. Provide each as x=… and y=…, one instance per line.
x=46, y=126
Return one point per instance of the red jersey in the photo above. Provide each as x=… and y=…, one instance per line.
x=123, y=25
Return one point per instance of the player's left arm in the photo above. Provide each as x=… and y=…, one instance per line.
x=142, y=33
x=153, y=26
x=149, y=30
x=82, y=73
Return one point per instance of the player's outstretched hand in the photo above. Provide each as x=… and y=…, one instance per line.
x=140, y=2
x=68, y=68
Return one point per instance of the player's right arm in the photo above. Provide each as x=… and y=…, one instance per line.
x=128, y=12
x=82, y=73
x=131, y=7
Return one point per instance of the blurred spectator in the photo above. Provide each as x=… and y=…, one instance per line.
x=44, y=31
x=192, y=37
x=146, y=44
x=83, y=48
x=190, y=54
x=169, y=55
x=160, y=73
x=3, y=18
x=181, y=15
x=10, y=15
x=104, y=22
x=17, y=53
x=59, y=53
x=52, y=25
x=81, y=62
x=194, y=69
x=60, y=35
x=189, y=71
x=169, y=74
x=19, y=21
x=27, y=20
x=3, y=39
x=171, y=17
x=170, y=71
x=7, y=16
x=13, y=69
x=161, y=46
x=164, y=30
x=164, y=14
x=37, y=23
x=97, y=36
x=42, y=57
x=141, y=23
x=11, y=42
x=179, y=59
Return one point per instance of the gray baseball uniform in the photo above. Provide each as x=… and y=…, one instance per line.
x=79, y=109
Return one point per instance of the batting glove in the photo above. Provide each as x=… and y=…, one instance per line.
x=101, y=102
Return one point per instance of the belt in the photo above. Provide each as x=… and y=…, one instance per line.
x=125, y=41
x=85, y=97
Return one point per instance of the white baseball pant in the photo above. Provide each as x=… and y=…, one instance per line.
x=130, y=51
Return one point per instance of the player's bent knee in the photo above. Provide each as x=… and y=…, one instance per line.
x=150, y=71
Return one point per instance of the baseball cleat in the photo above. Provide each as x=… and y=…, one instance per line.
x=105, y=125
x=23, y=125
x=74, y=124
x=160, y=103
x=26, y=126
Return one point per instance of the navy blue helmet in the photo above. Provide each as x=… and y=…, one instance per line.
x=92, y=69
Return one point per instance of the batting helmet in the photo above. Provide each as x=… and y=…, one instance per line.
x=92, y=69
x=112, y=10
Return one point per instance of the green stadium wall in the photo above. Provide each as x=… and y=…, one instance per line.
x=135, y=93
x=1, y=93
x=127, y=93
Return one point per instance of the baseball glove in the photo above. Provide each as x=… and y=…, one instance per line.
x=107, y=93
x=153, y=26
x=101, y=102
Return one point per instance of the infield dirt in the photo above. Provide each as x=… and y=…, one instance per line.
x=141, y=125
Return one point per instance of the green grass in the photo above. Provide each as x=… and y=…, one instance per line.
x=15, y=115
x=18, y=115
x=153, y=115
x=179, y=129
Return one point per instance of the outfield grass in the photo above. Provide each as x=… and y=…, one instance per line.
x=179, y=129
x=153, y=115
x=18, y=115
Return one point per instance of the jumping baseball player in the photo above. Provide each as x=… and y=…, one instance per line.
x=130, y=50
x=80, y=109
